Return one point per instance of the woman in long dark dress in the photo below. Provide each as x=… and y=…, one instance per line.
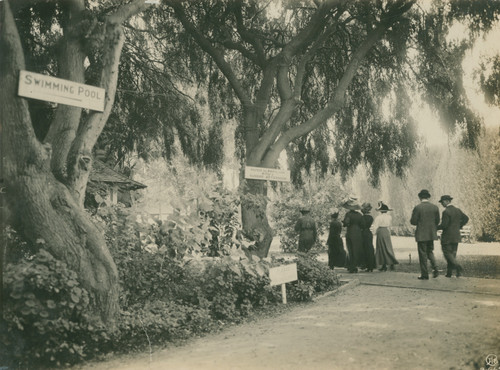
x=384, y=254
x=306, y=227
x=336, y=252
x=368, y=250
x=353, y=221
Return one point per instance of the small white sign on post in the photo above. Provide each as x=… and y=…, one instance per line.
x=56, y=90
x=281, y=275
x=264, y=173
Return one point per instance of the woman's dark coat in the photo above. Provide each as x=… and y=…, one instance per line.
x=306, y=227
x=368, y=250
x=336, y=252
x=353, y=221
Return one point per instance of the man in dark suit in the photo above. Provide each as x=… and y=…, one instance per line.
x=426, y=217
x=452, y=221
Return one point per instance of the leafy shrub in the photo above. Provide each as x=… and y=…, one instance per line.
x=164, y=300
x=158, y=322
x=300, y=292
x=208, y=292
x=229, y=287
x=149, y=252
x=198, y=213
x=234, y=288
x=225, y=227
x=146, y=276
x=45, y=318
x=320, y=196
x=212, y=228
x=316, y=273
x=313, y=277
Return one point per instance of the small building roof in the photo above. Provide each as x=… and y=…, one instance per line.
x=101, y=172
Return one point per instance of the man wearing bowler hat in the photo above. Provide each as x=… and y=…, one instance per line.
x=426, y=217
x=452, y=221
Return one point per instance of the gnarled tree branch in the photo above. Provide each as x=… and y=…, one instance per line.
x=19, y=143
x=337, y=100
x=79, y=157
x=211, y=50
x=62, y=130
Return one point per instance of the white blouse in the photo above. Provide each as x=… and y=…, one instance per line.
x=382, y=220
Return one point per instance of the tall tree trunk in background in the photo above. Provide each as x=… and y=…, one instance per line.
x=254, y=192
x=254, y=216
x=45, y=194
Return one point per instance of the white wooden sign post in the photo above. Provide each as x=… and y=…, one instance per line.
x=264, y=173
x=281, y=275
x=42, y=87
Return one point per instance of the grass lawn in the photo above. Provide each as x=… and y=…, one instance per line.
x=481, y=260
x=474, y=266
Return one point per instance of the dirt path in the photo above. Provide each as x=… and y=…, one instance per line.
x=361, y=327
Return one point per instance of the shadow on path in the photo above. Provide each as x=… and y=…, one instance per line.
x=409, y=280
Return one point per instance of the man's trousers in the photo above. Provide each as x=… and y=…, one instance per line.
x=450, y=254
x=426, y=252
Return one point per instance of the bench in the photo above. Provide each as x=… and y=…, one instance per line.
x=465, y=233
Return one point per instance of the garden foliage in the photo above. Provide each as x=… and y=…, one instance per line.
x=46, y=314
x=179, y=278
x=319, y=195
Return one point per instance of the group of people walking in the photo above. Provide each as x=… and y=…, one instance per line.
x=359, y=223
x=425, y=217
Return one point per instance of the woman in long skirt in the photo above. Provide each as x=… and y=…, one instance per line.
x=306, y=227
x=384, y=254
x=368, y=250
x=353, y=221
x=336, y=252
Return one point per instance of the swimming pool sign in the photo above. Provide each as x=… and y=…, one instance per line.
x=57, y=90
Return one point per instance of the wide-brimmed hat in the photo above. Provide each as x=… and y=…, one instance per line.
x=305, y=209
x=383, y=207
x=334, y=211
x=351, y=204
x=424, y=193
x=366, y=207
x=445, y=197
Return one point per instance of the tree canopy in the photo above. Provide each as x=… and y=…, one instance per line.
x=331, y=82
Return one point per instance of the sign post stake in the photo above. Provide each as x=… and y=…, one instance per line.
x=283, y=292
x=281, y=275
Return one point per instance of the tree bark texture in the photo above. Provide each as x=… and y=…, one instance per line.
x=254, y=217
x=46, y=212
